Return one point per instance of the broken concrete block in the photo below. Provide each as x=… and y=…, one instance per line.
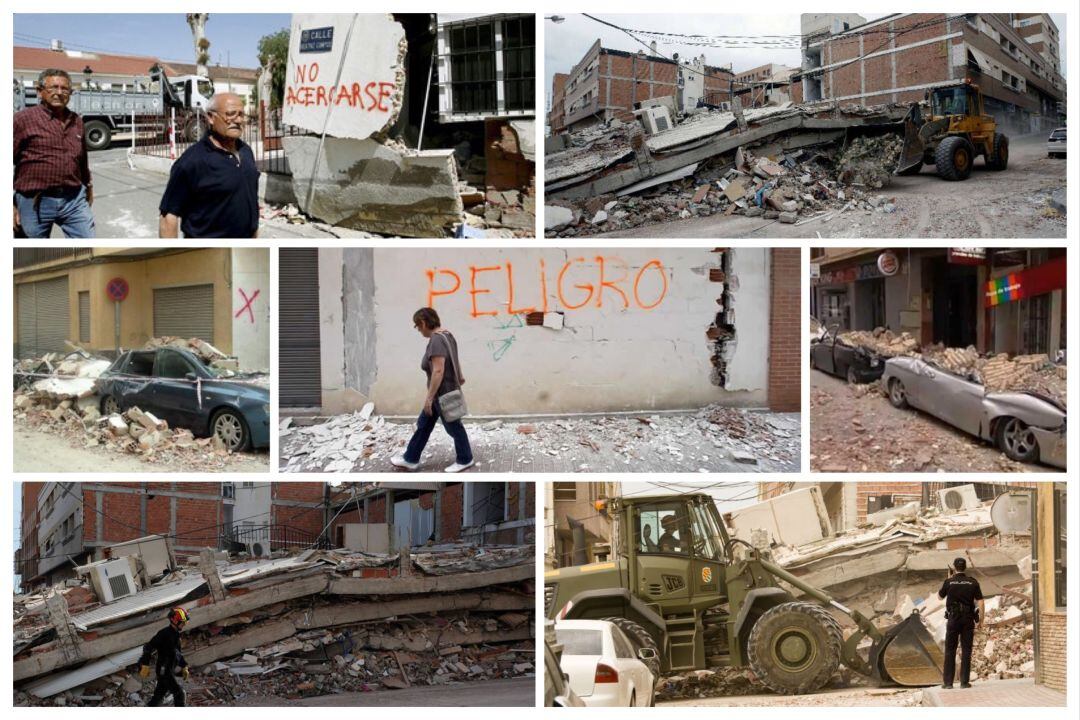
x=150, y=439
x=735, y=190
x=754, y=212
x=366, y=185
x=117, y=425
x=557, y=217
x=600, y=217
x=701, y=193
x=788, y=217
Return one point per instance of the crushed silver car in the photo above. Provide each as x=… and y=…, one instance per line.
x=1026, y=426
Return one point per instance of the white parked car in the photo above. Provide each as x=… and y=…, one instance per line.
x=1055, y=144
x=603, y=668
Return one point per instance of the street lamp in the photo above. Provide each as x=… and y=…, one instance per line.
x=555, y=18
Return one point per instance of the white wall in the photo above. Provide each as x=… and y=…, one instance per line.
x=613, y=354
x=252, y=506
x=251, y=323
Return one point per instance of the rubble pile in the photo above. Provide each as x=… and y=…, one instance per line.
x=997, y=372
x=297, y=625
x=718, y=682
x=67, y=403
x=869, y=161
x=693, y=442
x=778, y=175
x=894, y=563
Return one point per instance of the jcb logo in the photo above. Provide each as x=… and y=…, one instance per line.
x=706, y=575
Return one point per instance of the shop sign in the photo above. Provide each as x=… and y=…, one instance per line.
x=1031, y=282
x=888, y=264
x=967, y=256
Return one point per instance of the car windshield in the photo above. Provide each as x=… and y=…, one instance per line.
x=1057, y=135
x=576, y=641
x=140, y=363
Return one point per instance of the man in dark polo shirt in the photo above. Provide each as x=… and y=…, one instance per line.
x=213, y=189
x=52, y=171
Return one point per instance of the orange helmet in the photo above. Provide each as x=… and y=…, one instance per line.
x=178, y=617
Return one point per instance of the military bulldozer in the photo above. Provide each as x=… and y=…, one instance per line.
x=702, y=599
x=955, y=133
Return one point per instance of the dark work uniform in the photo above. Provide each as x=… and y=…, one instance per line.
x=167, y=646
x=960, y=593
x=213, y=192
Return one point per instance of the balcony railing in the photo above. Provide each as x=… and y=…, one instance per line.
x=278, y=537
x=26, y=257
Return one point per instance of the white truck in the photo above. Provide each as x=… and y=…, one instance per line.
x=105, y=112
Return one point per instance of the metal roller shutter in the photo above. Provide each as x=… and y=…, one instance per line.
x=299, y=352
x=84, y=316
x=185, y=312
x=44, y=316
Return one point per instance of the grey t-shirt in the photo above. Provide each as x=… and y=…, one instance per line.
x=442, y=344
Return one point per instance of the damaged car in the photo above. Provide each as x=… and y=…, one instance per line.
x=830, y=354
x=1026, y=426
x=179, y=388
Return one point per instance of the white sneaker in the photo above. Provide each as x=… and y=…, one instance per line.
x=401, y=462
x=458, y=467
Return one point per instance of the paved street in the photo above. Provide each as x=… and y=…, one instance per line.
x=986, y=205
x=126, y=202
x=713, y=440
x=853, y=428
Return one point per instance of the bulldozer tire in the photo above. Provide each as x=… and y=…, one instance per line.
x=640, y=638
x=913, y=170
x=794, y=648
x=954, y=157
x=1000, y=158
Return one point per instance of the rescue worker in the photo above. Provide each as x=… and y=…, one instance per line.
x=167, y=646
x=961, y=593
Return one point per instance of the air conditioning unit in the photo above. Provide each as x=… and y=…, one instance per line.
x=259, y=548
x=961, y=497
x=113, y=579
x=656, y=119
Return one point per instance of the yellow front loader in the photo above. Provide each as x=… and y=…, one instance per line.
x=955, y=133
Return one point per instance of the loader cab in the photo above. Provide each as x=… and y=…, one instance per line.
x=679, y=552
x=955, y=100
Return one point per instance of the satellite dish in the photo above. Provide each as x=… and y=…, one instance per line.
x=1011, y=513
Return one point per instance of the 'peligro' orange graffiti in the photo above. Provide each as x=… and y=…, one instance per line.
x=592, y=292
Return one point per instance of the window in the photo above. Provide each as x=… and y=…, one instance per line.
x=140, y=363
x=580, y=642
x=84, y=316
x=519, y=57
x=662, y=529
x=472, y=68
x=706, y=534
x=565, y=492
x=623, y=648
x=173, y=365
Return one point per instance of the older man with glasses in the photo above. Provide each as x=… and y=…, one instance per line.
x=213, y=189
x=52, y=171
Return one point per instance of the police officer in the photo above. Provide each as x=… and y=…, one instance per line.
x=961, y=592
x=167, y=646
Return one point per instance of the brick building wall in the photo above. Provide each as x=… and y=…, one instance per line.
x=191, y=512
x=451, y=511
x=298, y=505
x=785, y=353
x=1053, y=653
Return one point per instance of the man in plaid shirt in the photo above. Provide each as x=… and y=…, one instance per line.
x=52, y=171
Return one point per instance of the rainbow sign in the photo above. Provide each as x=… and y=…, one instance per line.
x=1003, y=290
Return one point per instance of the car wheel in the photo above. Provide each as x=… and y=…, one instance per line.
x=110, y=406
x=852, y=377
x=633, y=699
x=229, y=427
x=897, y=394
x=1017, y=441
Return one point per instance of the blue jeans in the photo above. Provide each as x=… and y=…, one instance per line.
x=426, y=423
x=67, y=209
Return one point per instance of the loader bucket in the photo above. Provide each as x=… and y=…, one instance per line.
x=908, y=655
x=914, y=146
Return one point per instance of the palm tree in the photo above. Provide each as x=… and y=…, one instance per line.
x=197, y=23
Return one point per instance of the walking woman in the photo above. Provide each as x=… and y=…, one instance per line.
x=440, y=364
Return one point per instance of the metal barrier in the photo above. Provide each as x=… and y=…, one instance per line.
x=169, y=134
x=277, y=537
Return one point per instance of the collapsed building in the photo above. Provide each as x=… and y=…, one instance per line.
x=319, y=621
x=413, y=125
x=792, y=163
